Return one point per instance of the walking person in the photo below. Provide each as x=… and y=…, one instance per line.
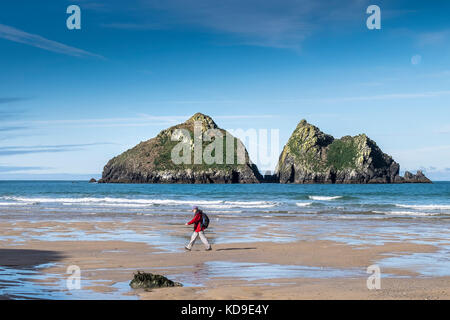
x=200, y=222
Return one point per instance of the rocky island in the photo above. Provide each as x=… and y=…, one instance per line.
x=310, y=156
x=151, y=161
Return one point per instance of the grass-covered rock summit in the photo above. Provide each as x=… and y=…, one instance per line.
x=152, y=161
x=311, y=156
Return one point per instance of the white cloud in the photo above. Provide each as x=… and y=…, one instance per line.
x=435, y=158
x=444, y=130
x=37, y=41
x=141, y=121
x=433, y=38
x=388, y=96
x=435, y=174
x=270, y=23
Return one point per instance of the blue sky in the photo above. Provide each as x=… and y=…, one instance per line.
x=72, y=99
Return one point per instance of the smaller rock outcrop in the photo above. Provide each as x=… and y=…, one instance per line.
x=92, y=180
x=419, y=177
x=144, y=280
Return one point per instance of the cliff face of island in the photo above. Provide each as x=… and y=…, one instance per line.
x=311, y=156
x=151, y=161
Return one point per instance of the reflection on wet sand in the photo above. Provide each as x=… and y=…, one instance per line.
x=245, y=253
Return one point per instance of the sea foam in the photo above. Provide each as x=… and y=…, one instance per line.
x=425, y=206
x=407, y=213
x=324, y=198
x=127, y=202
x=303, y=204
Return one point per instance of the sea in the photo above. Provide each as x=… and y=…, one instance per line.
x=74, y=199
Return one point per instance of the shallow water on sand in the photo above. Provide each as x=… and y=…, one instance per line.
x=31, y=283
x=351, y=214
x=260, y=271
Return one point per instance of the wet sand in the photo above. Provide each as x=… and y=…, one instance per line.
x=306, y=269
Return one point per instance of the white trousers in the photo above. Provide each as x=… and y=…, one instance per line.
x=202, y=236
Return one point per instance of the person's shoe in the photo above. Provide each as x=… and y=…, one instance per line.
x=209, y=249
x=187, y=249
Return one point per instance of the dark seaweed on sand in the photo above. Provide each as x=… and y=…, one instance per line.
x=144, y=280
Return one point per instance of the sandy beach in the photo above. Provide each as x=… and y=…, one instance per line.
x=309, y=269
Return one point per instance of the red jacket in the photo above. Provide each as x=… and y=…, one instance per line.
x=197, y=221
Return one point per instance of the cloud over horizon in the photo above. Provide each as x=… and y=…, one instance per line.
x=17, y=150
x=13, y=169
x=11, y=99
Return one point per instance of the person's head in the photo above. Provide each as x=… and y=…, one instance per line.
x=194, y=209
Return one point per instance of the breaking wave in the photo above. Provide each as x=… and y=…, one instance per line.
x=303, y=204
x=126, y=202
x=407, y=213
x=324, y=198
x=425, y=206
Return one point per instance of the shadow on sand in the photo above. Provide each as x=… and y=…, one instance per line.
x=226, y=249
x=22, y=259
x=27, y=258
